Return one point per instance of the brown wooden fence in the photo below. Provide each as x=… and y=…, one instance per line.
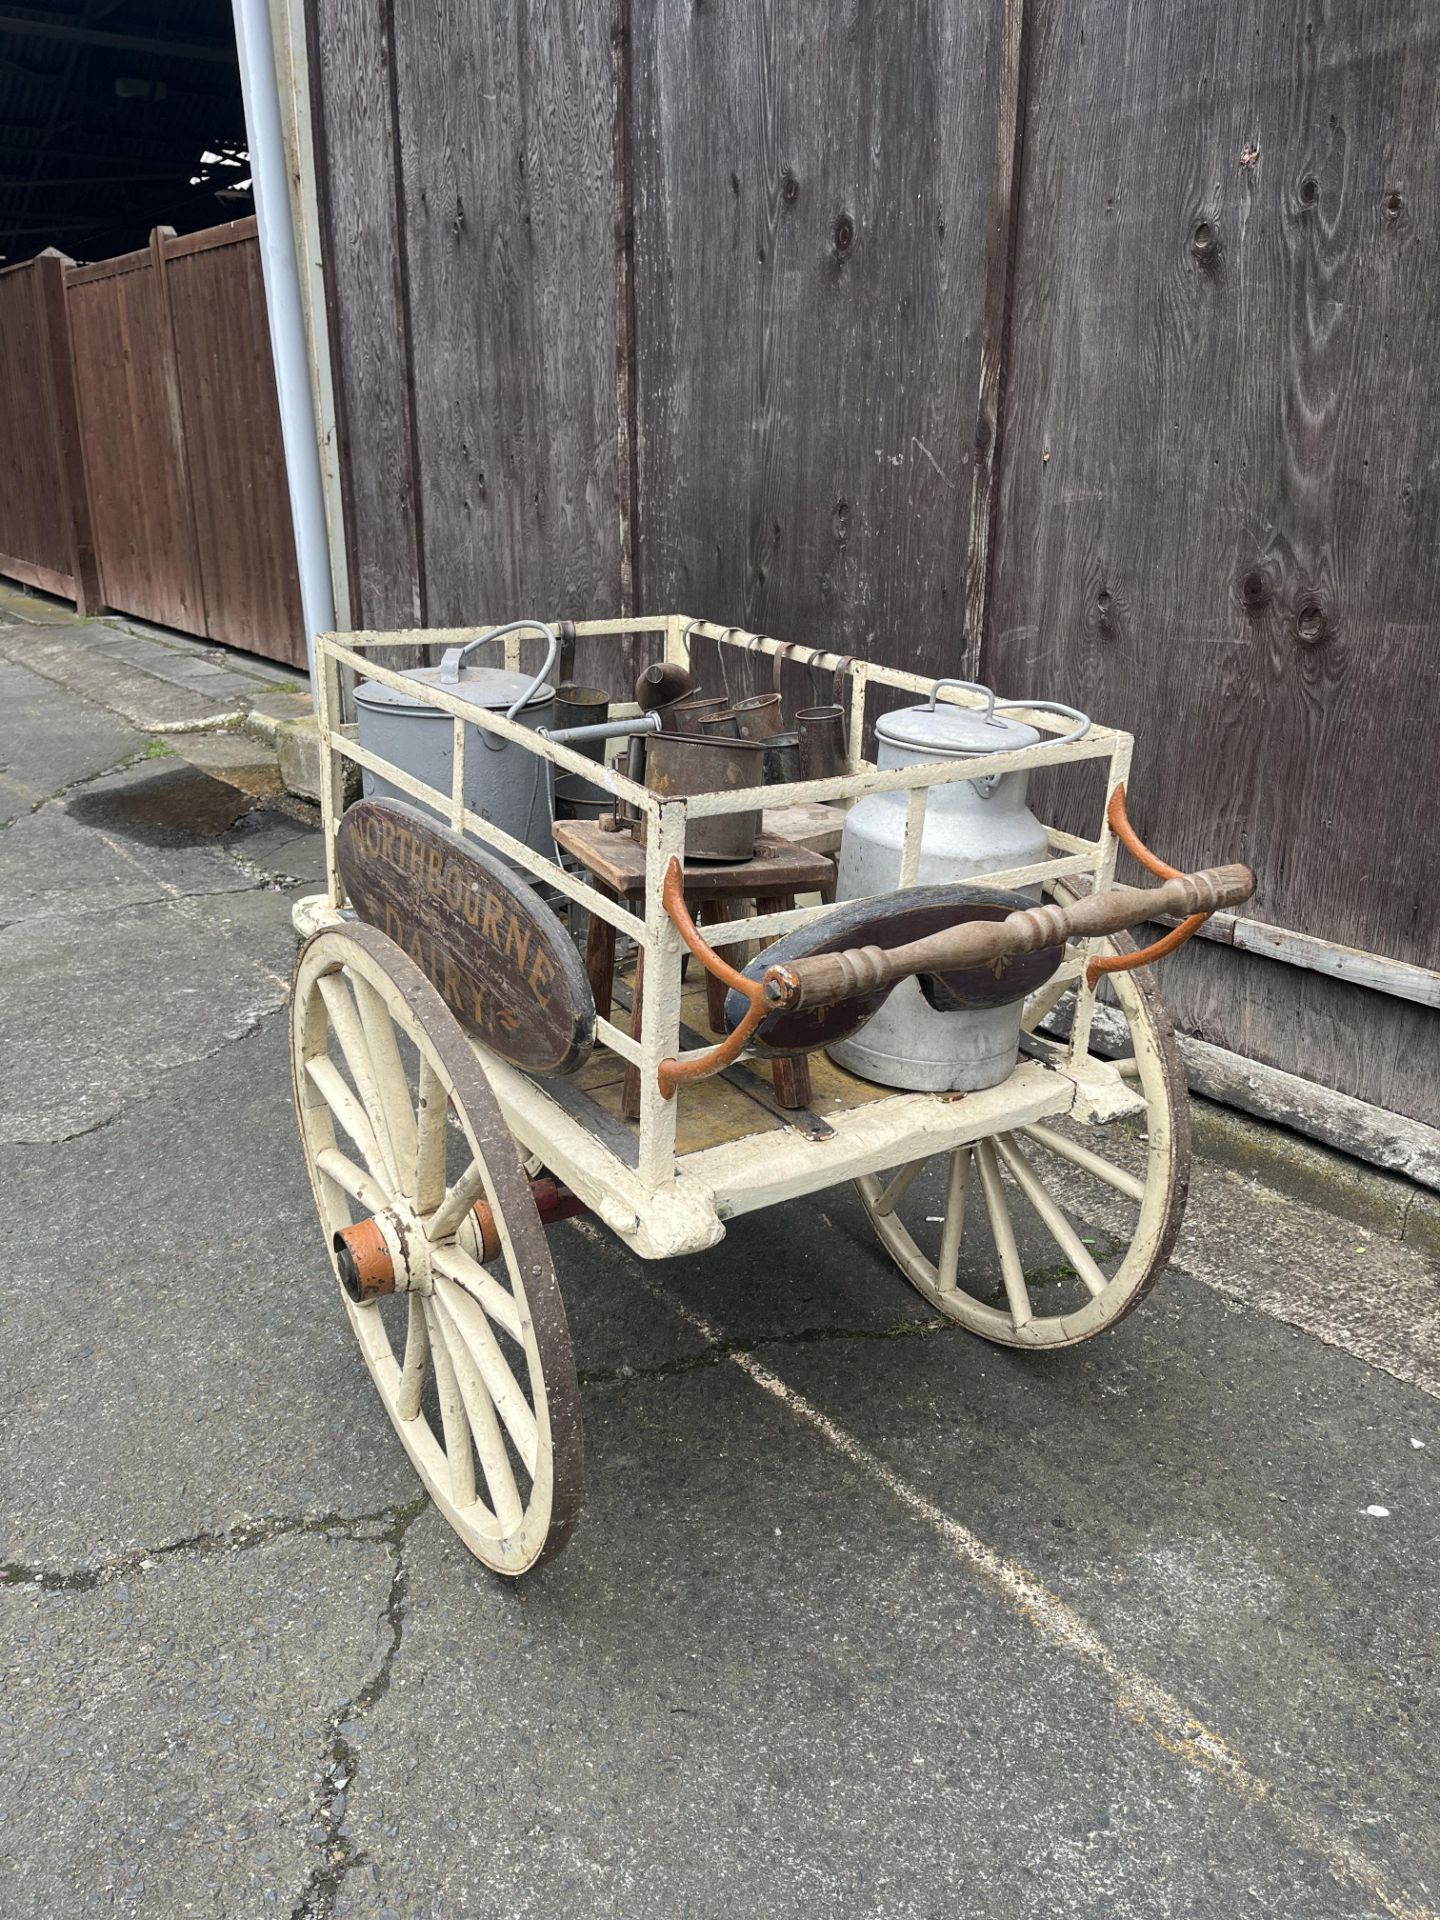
x=182, y=479
x=1082, y=344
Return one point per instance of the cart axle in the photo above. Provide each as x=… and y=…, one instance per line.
x=366, y=1266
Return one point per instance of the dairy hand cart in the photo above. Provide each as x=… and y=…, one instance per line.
x=457, y=1090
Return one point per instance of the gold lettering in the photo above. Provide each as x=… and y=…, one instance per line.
x=394, y=925
x=490, y=926
x=434, y=866
x=450, y=988
x=387, y=842
x=372, y=836
x=542, y=974
x=472, y=904
x=517, y=942
x=454, y=884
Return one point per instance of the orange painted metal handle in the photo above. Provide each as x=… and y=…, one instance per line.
x=674, y=1073
x=1118, y=821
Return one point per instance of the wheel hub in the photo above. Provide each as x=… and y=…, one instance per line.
x=388, y=1253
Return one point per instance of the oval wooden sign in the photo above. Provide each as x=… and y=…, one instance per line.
x=901, y=917
x=498, y=957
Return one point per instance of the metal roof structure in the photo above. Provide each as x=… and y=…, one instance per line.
x=107, y=109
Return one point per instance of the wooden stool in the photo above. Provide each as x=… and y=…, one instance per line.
x=771, y=879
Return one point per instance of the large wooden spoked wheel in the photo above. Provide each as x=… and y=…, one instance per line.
x=461, y=1324
x=1048, y=1235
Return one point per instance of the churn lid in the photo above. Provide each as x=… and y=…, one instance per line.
x=491, y=688
x=950, y=730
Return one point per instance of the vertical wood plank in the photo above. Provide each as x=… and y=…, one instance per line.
x=62, y=413
x=165, y=367
x=995, y=326
x=351, y=74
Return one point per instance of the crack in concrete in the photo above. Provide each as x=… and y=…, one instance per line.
x=255, y=1023
x=341, y=1762
x=72, y=786
x=208, y=1544
x=726, y=1349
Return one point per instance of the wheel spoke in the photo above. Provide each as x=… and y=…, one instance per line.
x=391, y=1082
x=326, y=1078
x=954, y=1219
x=467, y=1273
x=340, y=1168
x=1021, y=1311
x=458, y=1453
x=484, y=1426
x=431, y=1127
x=1061, y=1231
x=494, y=1369
x=346, y=1027
x=1079, y=1156
x=457, y=1202
x=416, y=1363
x=897, y=1188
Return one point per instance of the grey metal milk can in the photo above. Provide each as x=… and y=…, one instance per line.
x=971, y=827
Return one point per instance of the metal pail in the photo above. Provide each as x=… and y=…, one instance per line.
x=822, y=743
x=683, y=763
x=759, y=717
x=782, y=759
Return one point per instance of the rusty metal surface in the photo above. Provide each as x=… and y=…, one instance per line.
x=823, y=753
x=685, y=763
x=759, y=717
x=363, y=1262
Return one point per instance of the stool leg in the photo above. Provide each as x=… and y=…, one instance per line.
x=715, y=913
x=791, y=1077
x=630, y=1092
x=600, y=959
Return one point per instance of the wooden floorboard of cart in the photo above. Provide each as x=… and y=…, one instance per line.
x=715, y=1111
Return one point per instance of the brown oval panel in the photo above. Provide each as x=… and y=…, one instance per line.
x=495, y=953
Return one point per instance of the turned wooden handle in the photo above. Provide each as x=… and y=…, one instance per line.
x=827, y=977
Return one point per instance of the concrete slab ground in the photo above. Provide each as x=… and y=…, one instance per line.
x=863, y=1619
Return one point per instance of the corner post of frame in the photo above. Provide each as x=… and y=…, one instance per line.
x=1102, y=877
x=660, y=1008
x=332, y=767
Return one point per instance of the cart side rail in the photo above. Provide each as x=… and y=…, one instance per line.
x=653, y=930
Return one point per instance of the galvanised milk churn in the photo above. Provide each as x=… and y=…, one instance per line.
x=971, y=827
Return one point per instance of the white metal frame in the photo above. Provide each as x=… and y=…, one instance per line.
x=666, y=1204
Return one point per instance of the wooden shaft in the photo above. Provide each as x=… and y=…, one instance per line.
x=828, y=977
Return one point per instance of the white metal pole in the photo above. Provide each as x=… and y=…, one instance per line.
x=283, y=305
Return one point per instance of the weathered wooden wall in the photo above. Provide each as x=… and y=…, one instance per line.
x=45, y=537
x=1219, y=484
x=810, y=216
x=181, y=429
x=1081, y=341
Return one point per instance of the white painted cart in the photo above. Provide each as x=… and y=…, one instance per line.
x=408, y=1122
